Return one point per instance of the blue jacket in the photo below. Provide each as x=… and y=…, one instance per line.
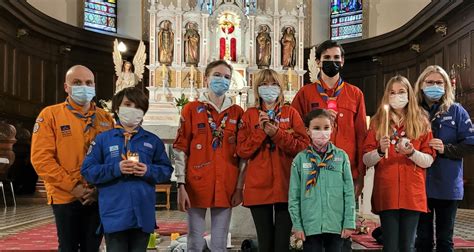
x=444, y=178
x=126, y=202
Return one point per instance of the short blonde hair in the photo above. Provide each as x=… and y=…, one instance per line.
x=447, y=99
x=263, y=75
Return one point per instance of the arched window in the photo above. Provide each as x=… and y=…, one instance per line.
x=100, y=15
x=346, y=19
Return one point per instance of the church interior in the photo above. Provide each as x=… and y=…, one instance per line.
x=162, y=47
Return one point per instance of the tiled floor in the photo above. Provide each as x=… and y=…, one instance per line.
x=23, y=217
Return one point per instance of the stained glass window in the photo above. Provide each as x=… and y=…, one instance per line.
x=100, y=15
x=346, y=19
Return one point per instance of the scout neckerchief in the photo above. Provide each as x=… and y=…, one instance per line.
x=88, y=118
x=337, y=90
x=217, y=131
x=274, y=116
x=314, y=173
x=126, y=145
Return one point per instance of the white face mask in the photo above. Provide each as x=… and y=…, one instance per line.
x=398, y=101
x=320, y=137
x=130, y=117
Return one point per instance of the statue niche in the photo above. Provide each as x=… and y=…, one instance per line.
x=191, y=44
x=165, y=43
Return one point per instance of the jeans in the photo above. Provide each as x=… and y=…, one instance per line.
x=445, y=214
x=399, y=229
x=76, y=227
x=273, y=225
x=131, y=240
x=328, y=242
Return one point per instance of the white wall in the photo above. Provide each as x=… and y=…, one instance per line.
x=63, y=10
x=130, y=18
x=384, y=16
x=68, y=11
x=319, y=21
x=388, y=15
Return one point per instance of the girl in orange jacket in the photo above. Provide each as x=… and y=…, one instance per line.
x=270, y=137
x=206, y=162
x=397, y=145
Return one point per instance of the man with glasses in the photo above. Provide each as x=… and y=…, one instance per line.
x=345, y=104
x=62, y=136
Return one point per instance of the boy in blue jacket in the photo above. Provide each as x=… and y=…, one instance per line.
x=124, y=164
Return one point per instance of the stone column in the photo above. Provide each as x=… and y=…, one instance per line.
x=251, y=33
x=153, y=60
x=205, y=40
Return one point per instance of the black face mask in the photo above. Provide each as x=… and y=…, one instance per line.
x=331, y=68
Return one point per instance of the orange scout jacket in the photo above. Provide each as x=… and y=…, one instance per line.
x=351, y=124
x=268, y=171
x=59, y=146
x=398, y=182
x=211, y=175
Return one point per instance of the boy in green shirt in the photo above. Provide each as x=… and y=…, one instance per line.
x=321, y=194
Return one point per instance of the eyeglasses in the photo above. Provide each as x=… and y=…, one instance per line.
x=437, y=83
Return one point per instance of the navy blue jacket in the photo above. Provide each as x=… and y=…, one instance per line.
x=126, y=201
x=445, y=176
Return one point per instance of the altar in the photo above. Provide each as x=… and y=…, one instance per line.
x=184, y=39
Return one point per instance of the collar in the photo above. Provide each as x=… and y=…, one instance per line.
x=204, y=98
x=329, y=148
x=78, y=107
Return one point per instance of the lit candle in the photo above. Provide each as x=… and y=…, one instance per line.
x=134, y=158
x=387, y=123
x=192, y=73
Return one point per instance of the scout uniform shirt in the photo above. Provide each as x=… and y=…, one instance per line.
x=126, y=201
x=351, y=124
x=208, y=137
x=398, y=182
x=269, y=159
x=445, y=176
x=61, y=138
x=327, y=205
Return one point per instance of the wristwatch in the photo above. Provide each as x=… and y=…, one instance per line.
x=178, y=184
x=380, y=152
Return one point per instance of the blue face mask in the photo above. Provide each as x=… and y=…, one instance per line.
x=433, y=93
x=82, y=94
x=269, y=94
x=219, y=85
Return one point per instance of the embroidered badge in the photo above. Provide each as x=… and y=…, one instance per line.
x=282, y=120
x=201, y=109
x=36, y=127
x=307, y=165
x=149, y=145
x=65, y=130
x=232, y=121
x=104, y=124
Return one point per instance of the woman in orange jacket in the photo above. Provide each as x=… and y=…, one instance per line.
x=397, y=145
x=270, y=137
x=206, y=162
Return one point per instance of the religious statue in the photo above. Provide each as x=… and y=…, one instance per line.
x=165, y=43
x=264, y=47
x=288, y=45
x=191, y=44
x=129, y=75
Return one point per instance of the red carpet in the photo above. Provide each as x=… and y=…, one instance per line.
x=165, y=228
x=43, y=238
x=367, y=241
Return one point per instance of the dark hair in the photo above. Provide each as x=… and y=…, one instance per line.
x=326, y=45
x=134, y=95
x=215, y=63
x=315, y=114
